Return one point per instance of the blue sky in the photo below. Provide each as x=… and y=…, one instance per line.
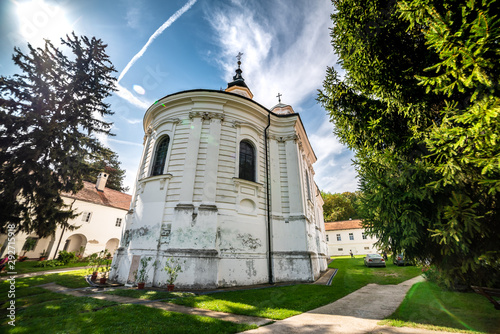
x=162, y=47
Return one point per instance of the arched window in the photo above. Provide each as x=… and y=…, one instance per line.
x=247, y=161
x=160, y=156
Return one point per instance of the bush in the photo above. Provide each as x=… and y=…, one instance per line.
x=67, y=257
x=49, y=263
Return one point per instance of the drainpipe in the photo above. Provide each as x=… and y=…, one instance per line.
x=268, y=202
x=64, y=230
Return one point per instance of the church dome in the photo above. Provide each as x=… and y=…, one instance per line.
x=282, y=109
x=238, y=85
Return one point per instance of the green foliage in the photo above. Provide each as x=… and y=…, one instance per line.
x=108, y=162
x=67, y=257
x=142, y=274
x=173, y=268
x=419, y=105
x=50, y=116
x=50, y=264
x=340, y=206
x=29, y=244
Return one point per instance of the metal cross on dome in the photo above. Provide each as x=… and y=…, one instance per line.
x=279, y=97
x=238, y=56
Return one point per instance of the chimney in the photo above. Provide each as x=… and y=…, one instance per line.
x=101, y=181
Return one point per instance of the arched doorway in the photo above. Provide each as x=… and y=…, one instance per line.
x=112, y=245
x=76, y=243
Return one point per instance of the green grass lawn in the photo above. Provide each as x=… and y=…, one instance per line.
x=29, y=267
x=41, y=311
x=283, y=302
x=428, y=306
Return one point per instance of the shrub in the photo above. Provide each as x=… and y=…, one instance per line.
x=49, y=263
x=67, y=257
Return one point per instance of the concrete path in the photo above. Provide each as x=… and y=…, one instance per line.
x=241, y=319
x=357, y=312
x=45, y=272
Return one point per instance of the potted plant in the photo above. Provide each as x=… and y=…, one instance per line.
x=105, y=266
x=173, y=268
x=93, y=263
x=43, y=255
x=141, y=275
x=28, y=246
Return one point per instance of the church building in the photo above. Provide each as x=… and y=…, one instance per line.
x=226, y=187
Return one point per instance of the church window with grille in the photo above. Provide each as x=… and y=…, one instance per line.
x=160, y=156
x=247, y=161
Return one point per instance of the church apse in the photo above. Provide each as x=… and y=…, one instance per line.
x=208, y=195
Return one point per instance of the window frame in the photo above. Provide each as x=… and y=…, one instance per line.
x=87, y=216
x=339, y=237
x=351, y=236
x=118, y=222
x=157, y=165
x=246, y=173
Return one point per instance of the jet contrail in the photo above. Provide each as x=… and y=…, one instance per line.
x=164, y=26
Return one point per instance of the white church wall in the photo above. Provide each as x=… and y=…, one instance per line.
x=210, y=218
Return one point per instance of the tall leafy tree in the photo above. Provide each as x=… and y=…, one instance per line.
x=49, y=116
x=107, y=162
x=338, y=206
x=419, y=105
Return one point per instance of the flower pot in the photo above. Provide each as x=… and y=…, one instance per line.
x=43, y=258
x=102, y=280
x=94, y=276
x=140, y=286
x=170, y=287
x=22, y=258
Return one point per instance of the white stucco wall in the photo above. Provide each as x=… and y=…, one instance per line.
x=358, y=245
x=95, y=235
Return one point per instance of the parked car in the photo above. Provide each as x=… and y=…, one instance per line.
x=400, y=260
x=374, y=260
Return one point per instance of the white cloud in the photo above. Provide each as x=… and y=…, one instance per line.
x=127, y=95
x=288, y=53
x=133, y=15
x=293, y=67
x=334, y=170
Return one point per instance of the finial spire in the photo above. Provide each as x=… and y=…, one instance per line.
x=238, y=84
x=279, y=97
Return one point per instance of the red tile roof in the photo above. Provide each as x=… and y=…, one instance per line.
x=108, y=197
x=343, y=225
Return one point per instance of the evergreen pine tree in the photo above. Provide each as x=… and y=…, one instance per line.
x=50, y=115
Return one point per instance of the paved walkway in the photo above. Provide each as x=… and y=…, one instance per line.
x=357, y=312
x=45, y=272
